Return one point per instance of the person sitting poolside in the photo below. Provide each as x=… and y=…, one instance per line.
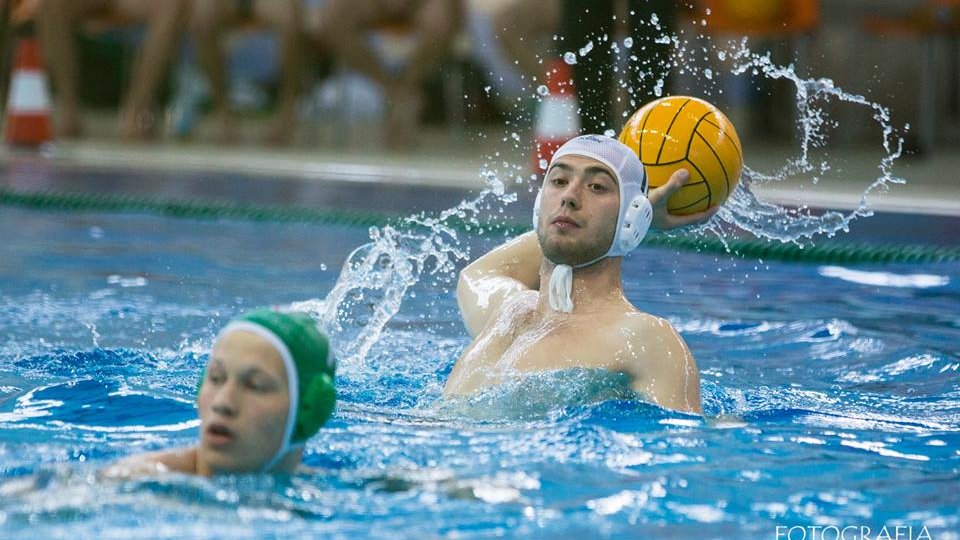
x=267, y=388
x=553, y=298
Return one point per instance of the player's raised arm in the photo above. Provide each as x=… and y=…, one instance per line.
x=483, y=285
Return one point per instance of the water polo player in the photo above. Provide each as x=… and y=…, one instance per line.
x=553, y=298
x=267, y=388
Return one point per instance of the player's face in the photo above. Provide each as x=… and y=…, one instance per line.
x=243, y=404
x=579, y=207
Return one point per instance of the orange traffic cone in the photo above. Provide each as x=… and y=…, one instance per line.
x=558, y=117
x=28, y=105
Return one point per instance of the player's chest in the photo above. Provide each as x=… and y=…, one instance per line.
x=533, y=345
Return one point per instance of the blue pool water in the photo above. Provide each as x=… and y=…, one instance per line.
x=832, y=397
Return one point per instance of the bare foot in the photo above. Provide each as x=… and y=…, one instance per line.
x=138, y=125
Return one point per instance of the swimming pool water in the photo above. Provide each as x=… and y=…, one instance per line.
x=831, y=395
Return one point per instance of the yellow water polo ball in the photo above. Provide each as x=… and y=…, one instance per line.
x=686, y=132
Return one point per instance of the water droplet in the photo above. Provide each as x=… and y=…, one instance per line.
x=543, y=164
x=708, y=73
x=658, y=88
x=585, y=50
x=628, y=42
x=610, y=133
x=569, y=58
x=515, y=136
x=543, y=90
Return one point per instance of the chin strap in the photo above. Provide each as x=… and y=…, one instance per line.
x=560, y=288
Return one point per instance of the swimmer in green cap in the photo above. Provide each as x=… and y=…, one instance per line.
x=267, y=388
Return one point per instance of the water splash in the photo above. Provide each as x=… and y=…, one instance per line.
x=766, y=220
x=377, y=275
x=700, y=59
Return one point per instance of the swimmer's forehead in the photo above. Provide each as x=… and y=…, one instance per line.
x=247, y=352
x=590, y=165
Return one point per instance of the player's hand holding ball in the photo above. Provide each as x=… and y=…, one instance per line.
x=692, y=157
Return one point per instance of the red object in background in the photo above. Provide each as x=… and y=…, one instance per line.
x=760, y=18
x=558, y=116
x=28, y=105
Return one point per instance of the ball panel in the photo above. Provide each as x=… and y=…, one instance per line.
x=654, y=135
x=724, y=149
x=632, y=132
x=710, y=164
x=692, y=197
x=726, y=132
x=672, y=142
x=726, y=146
x=693, y=207
x=702, y=182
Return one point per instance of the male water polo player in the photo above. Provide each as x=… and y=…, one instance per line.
x=267, y=388
x=553, y=298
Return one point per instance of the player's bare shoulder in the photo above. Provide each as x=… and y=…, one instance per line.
x=647, y=325
x=653, y=337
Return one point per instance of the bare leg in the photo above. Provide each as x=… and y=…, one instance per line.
x=56, y=21
x=344, y=30
x=164, y=23
x=436, y=24
x=286, y=16
x=521, y=26
x=207, y=23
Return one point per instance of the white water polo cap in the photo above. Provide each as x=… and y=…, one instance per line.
x=635, y=215
x=309, y=363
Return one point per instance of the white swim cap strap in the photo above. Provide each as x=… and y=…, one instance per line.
x=560, y=290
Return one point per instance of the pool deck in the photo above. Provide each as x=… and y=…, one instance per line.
x=445, y=169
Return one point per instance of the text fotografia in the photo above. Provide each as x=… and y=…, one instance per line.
x=852, y=532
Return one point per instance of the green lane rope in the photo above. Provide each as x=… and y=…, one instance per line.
x=832, y=251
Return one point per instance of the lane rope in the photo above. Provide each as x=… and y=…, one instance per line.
x=832, y=251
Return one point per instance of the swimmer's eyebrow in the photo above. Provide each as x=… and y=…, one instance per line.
x=249, y=371
x=592, y=170
x=596, y=169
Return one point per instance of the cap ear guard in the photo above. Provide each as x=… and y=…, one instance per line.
x=316, y=407
x=636, y=223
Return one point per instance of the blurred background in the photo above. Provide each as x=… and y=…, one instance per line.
x=445, y=88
